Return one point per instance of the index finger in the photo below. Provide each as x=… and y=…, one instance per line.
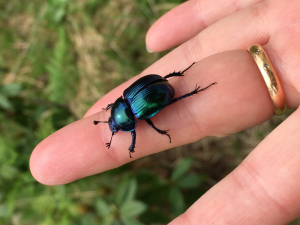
x=78, y=150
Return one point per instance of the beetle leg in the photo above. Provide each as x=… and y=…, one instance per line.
x=164, y=132
x=132, y=146
x=191, y=93
x=174, y=74
x=108, y=107
x=108, y=144
x=188, y=67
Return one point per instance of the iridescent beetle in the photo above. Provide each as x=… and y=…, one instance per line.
x=143, y=99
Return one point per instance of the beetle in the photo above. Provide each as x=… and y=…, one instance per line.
x=142, y=100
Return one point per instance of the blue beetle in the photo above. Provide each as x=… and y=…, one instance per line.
x=143, y=99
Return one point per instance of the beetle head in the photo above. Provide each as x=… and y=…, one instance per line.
x=112, y=125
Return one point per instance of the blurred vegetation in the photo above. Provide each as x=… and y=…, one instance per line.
x=56, y=59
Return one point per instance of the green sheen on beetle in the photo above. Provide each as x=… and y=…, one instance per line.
x=143, y=99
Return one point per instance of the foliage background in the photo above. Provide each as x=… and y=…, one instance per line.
x=57, y=58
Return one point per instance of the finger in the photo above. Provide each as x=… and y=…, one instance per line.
x=264, y=189
x=258, y=23
x=188, y=19
x=238, y=100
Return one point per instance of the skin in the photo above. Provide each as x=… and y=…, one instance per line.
x=265, y=187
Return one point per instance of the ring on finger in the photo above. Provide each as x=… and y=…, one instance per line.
x=270, y=77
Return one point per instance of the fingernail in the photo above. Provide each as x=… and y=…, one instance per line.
x=148, y=50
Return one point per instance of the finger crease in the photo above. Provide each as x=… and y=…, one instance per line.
x=243, y=180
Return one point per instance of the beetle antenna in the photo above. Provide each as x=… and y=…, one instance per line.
x=96, y=122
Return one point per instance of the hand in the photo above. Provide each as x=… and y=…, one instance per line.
x=265, y=188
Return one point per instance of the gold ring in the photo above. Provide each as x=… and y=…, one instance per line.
x=270, y=77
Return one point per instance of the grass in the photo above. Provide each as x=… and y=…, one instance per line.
x=56, y=59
